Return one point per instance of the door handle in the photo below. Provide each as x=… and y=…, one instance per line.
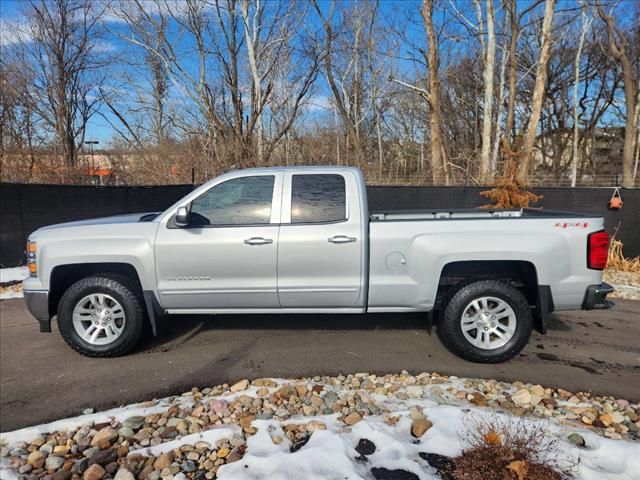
x=342, y=239
x=258, y=241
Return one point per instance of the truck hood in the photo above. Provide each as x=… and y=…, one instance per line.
x=116, y=219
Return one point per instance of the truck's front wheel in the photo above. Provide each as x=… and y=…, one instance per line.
x=488, y=321
x=101, y=316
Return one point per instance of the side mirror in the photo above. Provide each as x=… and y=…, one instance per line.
x=182, y=217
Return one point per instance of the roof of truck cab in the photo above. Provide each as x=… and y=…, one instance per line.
x=296, y=169
x=240, y=172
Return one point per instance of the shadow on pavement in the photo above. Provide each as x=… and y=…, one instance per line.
x=172, y=327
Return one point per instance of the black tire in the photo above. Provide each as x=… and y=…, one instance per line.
x=450, y=329
x=122, y=289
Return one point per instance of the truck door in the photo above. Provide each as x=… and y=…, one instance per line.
x=226, y=257
x=321, y=242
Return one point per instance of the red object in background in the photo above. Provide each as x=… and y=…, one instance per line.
x=597, y=250
x=98, y=172
x=615, y=202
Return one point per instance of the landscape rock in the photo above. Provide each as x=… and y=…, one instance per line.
x=478, y=399
x=239, y=386
x=104, y=457
x=104, y=437
x=300, y=443
x=386, y=474
x=94, y=472
x=36, y=458
x=439, y=462
x=53, y=463
x=163, y=461
x=521, y=397
x=420, y=426
x=135, y=423
x=352, y=418
x=124, y=474
x=90, y=451
x=80, y=466
x=365, y=447
x=577, y=440
x=62, y=475
x=126, y=432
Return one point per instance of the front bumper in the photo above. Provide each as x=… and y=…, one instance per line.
x=596, y=297
x=38, y=305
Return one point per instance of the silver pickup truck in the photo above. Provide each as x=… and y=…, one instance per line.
x=298, y=240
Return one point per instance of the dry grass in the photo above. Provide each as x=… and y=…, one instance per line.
x=617, y=260
x=504, y=450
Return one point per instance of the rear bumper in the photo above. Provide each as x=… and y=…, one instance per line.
x=596, y=297
x=38, y=305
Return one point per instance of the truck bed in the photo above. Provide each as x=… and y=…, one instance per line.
x=469, y=213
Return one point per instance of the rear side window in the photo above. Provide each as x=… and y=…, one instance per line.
x=318, y=199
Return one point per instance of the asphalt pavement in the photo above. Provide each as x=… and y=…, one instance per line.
x=42, y=379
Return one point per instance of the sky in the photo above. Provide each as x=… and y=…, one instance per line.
x=99, y=129
x=320, y=102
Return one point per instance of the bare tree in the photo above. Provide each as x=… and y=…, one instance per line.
x=512, y=6
x=19, y=126
x=586, y=24
x=268, y=39
x=619, y=50
x=347, y=100
x=489, y=72
x=438, y=158
x=635, y=165
x=515, y=30
x=538, y=91
x=501, y=91
x=65, y=69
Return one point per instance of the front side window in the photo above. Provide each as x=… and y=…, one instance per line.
x=241, y=201
x=318, y=198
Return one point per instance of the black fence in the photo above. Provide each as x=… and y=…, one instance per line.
x=24, y=208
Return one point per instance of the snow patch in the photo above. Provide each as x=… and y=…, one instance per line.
x=15, y=274
x=10, y=276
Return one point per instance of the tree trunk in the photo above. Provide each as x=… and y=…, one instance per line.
x=538, y=91
x=513, y=72
x=487, y=117
x=635, y=166
x=338, y=97
x=251, y=38
x=617, y=50
x=498, y=132
x=438, y=162
x=586, y=22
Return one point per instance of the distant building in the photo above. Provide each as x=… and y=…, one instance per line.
x=599, y=154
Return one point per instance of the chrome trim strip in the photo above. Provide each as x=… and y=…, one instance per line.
x=201, y=311
x=317, y=290
x=209, y=292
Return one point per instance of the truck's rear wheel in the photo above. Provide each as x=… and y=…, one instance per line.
x=101, y=316
x=487, y=321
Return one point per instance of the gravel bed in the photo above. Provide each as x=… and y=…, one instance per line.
x=194, y=435
x=627, y=284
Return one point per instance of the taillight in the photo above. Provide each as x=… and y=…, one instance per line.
x=597, y=250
